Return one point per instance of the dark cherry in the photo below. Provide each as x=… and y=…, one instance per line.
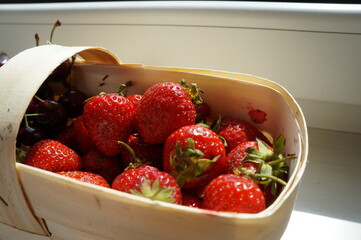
x=32, y=105
x=3, y=58
x=28, y=136
x=73, y=101
x=60, y=73
x=54, y=116
x=45, y=92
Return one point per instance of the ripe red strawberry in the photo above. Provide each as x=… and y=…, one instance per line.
x=135, y=99
x=150, y=154
x=109, y=118
x=149, y=182
x=87, y=177
x=68, y=138
x=233, y=193
x=191, y=200
x=234, y=159
x=106, y=166
x=264, y=164
x=235, y=131
x=53, y=156
x=83, y=140
x=193, y=155
x=164, y=108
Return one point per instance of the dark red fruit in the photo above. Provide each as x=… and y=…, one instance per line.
x=191, y=200
x=73, y=101
x=28, y=136
x=151, y=154
x=107, y=167
x=82, y=137
x=54, y=116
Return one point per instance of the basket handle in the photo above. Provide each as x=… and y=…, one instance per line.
x=20, y=78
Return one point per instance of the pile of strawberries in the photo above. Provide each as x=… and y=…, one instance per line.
x=162, y=145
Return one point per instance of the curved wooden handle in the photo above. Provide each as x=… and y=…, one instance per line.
x=20, y=78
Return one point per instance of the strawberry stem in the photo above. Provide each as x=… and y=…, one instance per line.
x=274, y=178
x=136, y=161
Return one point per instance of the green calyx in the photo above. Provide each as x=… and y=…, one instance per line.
x=154, y=191
x=193, y=91
x=271, y=164
x=189, y=164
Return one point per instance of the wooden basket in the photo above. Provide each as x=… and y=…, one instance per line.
x=37, y=204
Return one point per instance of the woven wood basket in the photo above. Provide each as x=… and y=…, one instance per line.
x=36, y=204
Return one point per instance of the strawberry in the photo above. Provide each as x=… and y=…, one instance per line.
x=149, y=182
x=235, y=131
x=151, y=154
x=87, y=177
x=135, y=99
x=53, y=156
x=191, y=200
x=83, y=140
x=233, y=193
x=264, y=164
x=67, y=137
x=234, y=159
x=164, y=108
x=106, y=166
x=109, y=118
x=203, y=111
x=193, y=155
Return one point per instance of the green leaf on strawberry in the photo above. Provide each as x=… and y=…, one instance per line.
x=154, y=191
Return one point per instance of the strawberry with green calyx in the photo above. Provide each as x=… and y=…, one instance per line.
x=265, y=165
x=193, y=155
x=149, y=182
x=87, y=177
x=193, y=91
x=53, y=156
x=109, y=118
x=236, y=131
x=164, y=108
x=233, y=193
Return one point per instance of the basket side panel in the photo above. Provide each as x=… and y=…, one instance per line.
x=109, y=214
